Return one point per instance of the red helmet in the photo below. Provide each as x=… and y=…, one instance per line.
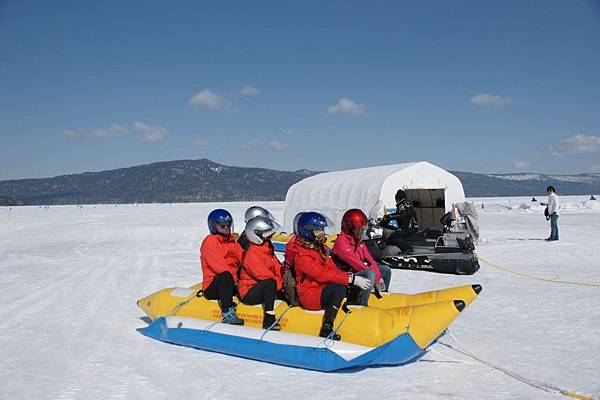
x=353, y=222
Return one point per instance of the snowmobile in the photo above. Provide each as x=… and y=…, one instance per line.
x=448, y=249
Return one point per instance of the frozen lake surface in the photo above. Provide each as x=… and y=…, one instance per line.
x=70, y=278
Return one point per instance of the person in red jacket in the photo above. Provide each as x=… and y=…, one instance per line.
x=320, y=284
x=351, y=253
x=260, y=277
x=220, y=257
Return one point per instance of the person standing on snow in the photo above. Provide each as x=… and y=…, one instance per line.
x=220, y=257
x=351, y=252
x=320, y=283
x=407, y=221
x=553, y=207
x=260, y=277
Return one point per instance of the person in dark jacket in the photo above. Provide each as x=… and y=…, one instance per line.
x=406, y=221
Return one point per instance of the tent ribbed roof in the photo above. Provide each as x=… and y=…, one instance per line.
x=332, y=193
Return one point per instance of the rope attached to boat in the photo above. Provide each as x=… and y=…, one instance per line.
x=329, y=341
x=536, y=277
x=178, y=306
x=274, y=323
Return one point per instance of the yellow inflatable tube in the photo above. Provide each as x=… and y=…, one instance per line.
x=466, y=293
x=367, y=326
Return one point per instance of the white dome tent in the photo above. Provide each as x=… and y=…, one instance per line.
x=431, y=189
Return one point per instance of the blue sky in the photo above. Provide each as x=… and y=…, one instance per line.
x=481, y=86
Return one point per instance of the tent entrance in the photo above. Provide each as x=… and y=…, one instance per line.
x=430, y=205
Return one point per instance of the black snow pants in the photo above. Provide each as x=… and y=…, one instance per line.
x=264, y=292
x=222, y=288
x=331, y=300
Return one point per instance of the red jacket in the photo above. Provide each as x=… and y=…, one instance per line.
x=291, y=250
x=356, y=255
x=259, y=263
x=314, y=271
x=219, y=254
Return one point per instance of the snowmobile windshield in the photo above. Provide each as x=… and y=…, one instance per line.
x=376, y=211
x=374, y=230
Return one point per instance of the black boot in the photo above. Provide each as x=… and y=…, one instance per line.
x=327, y=326
x=327, y=329
x=268, y=320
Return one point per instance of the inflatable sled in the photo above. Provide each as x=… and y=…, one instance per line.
x=424, y=315
x=298, y=350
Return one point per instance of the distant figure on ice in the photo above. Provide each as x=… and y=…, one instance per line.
x=351, y=254
x=592, y=197
x=406, y=218
x=552, y=212
x=220, y=257
x=533, y=200
x=260, y=276
x=252, y=212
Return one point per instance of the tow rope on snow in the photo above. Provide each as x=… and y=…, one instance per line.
x=546, y=387
x=536, y=277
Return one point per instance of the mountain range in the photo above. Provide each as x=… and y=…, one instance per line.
x=207, y=181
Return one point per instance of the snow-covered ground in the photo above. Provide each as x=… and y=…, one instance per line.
x=70, y=278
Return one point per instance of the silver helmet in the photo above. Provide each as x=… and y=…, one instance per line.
x=258, y=229
x=257, y=211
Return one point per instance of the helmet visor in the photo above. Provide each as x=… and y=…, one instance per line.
x=224, y=228
x=274, y=230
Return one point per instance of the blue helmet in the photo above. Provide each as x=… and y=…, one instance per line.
x=221, y=217
x=309, y=222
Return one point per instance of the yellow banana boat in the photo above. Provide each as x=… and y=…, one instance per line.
x=466, y=293
x=424, y=316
